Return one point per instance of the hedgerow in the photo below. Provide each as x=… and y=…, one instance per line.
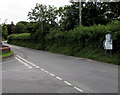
x=22, y=36
x=81, y=37
x=81, y=41
x=86, y=36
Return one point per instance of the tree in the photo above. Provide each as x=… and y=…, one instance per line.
x=69, y=17
x=113, y=11
x=92, y=13
x=44, y=18
x=0, y=33
x=4, y=32
x=23, y=22
x=10, y=28
x=43, y=14
x=19, y=28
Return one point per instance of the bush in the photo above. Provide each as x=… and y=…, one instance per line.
x=81, y=41
x=19, y=28
x=22, y=36
x=4, y=32
x=81, y=37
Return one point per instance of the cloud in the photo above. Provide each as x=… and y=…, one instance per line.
x=17, y=10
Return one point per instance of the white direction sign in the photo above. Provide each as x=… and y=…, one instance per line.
x=108, y=42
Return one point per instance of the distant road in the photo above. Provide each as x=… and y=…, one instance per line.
x=35, y=71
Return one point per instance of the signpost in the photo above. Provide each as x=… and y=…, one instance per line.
x=108, y=45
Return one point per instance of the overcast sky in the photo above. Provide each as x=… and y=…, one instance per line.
x=17, y=10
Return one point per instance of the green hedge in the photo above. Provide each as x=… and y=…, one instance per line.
x=81, y=37
x=22, y=36
x=81, y=41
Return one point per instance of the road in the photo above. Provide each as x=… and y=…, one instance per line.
x=35, y=71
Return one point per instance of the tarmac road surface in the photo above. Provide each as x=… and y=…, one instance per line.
x=35, y=71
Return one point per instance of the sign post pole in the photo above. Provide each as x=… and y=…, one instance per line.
x=108, y=43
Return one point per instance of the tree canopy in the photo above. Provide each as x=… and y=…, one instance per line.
x=19, y=28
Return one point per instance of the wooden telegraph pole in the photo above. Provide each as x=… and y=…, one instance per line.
x=80, y=13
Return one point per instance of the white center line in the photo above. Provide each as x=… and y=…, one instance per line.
x=23, y=63
x=59, y=78
x=52, y=74
x=28, y=61
x=42, y=69
x=67, y=83
x=78, y=89
x=46, y=71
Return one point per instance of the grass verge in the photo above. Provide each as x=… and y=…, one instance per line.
x=6, y=54
x=95, y=54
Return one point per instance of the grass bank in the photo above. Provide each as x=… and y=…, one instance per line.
x=6, y=54
x=95, y=54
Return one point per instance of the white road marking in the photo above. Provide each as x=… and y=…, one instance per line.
x=67, y=83
x=22, y=59
x=46, y=71
x=78, y=89
x=59, y=78
x=52, y=74
x=42, y=69
x=28, y=61
x=23, y=63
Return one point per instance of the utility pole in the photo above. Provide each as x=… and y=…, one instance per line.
x=80, y=13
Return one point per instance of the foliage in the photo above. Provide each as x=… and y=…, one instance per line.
x=0, y=33
x=23, y=22
x=81, y=37
x=58, y=30
x=43, y=19
x=19, y=28
x=4, y=32
x=96, y=54
x=92, y=13
x=81, y=41
x=69, y=17
x=46, y=18
x=18, y=37
x=10, y=28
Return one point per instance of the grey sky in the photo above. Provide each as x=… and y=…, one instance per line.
x=17, y=10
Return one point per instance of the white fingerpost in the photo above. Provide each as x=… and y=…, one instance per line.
x=108, y=44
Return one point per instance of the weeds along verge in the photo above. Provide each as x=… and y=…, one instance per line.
x=81, y=41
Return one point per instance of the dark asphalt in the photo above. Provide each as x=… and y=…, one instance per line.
x=88, y=75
